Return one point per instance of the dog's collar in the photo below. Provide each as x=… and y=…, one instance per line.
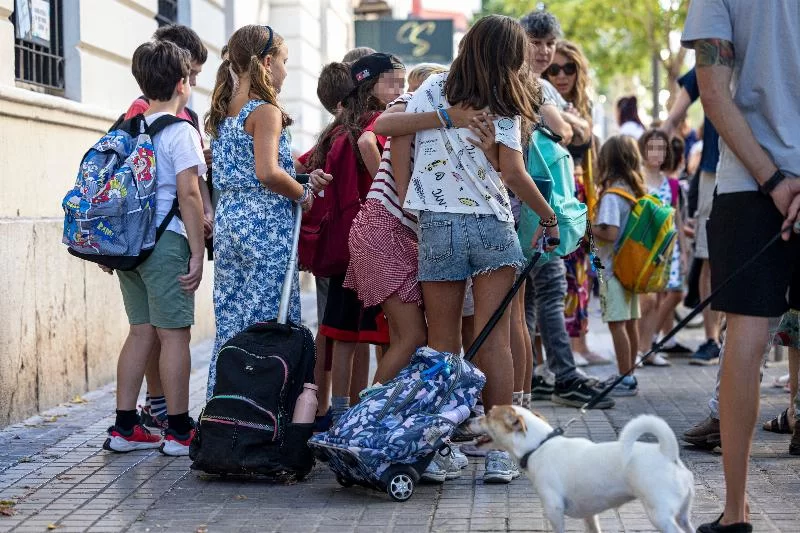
x=523, y=461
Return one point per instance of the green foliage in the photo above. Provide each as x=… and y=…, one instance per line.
x=618, y=36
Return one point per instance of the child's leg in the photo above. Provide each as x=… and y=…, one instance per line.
x=359, y=379
x=467, y=331
x=407, y=331
x=794, y=374
x=622, y=344
x=322, y=374
x=132, y=363
x=175, y=364
x=494, y=357
x=341, y=373
x=518, y=350
x=155, y=393
x=633, y=338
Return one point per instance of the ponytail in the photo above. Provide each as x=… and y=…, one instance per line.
x=220, y=98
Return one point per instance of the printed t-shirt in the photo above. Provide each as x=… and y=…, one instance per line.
x=451, y=175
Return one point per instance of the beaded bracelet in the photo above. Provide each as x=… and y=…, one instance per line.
x=549, y=222
x=447, y=119
x=306, y=194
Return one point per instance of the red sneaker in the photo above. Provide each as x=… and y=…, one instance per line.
x=139, y=438
x=175, y=444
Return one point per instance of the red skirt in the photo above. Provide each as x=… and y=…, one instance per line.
x=383, y=257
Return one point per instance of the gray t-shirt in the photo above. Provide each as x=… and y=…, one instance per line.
x=612, y=211
x=766, y=42
x=551, y=95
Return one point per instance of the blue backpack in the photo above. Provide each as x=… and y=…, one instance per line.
x=550, y=166
x=109, y=216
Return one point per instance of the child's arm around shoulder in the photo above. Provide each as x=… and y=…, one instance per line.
x=265, y=124
x=368, y=147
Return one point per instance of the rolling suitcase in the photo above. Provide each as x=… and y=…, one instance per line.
x=387, y=440
x=245, y=428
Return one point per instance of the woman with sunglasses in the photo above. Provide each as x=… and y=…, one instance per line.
x=569, y=74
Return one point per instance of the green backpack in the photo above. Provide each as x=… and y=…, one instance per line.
x=550, y=166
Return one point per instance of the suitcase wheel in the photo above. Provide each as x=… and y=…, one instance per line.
x=400, y=486
x=343, y=481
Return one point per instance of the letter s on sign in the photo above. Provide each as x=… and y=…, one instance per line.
x=412, y=31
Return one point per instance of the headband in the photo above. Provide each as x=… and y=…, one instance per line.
x=265, y=51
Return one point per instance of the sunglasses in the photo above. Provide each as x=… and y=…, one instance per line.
x=568, y=68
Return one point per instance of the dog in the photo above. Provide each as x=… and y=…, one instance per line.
x=578, y=478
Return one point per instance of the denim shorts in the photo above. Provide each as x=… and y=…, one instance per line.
x=457, y=246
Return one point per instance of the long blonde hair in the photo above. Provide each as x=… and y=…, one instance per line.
x=579, y=95
x=246, y=50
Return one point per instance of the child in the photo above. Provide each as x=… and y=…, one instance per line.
x=788, y=334
x=377, y=79
x=421, y=72
x=154, y=411
x=465, y=220
x=656, y=308
x=619, y=164
x=254, y=174
x=159, y=294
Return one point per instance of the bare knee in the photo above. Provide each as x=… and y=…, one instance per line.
x=143, y=332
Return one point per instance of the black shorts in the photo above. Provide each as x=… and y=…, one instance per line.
x=739, y=226
x=346, y=320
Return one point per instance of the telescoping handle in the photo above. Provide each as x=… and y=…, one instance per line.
x=291, y=265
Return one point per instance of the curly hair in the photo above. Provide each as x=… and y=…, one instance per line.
x=579, y=94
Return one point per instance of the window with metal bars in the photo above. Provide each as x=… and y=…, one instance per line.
x=39, y=45
x=167, y=12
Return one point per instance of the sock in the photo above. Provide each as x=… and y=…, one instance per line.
x=126, y=419
x=339, y=404
x=180, y=423
x=147, y=399
x=516, y=398
x=158, y=406
x=526, y=400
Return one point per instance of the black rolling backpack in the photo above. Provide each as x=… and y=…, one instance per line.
x=245, y=428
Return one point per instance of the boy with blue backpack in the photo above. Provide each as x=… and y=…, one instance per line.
x=159, y=293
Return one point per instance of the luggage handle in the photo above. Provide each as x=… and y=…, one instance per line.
x=291, y=265
x=495, y=318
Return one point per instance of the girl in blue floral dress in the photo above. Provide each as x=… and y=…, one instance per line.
x=254, y=175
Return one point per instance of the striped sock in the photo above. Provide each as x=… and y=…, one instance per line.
x=526, y=400
x=516, y=398
x=158, y=406
x=147, y=399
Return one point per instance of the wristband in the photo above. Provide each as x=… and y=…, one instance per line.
x=447, y=119
x=768, y=186
x=441, y=119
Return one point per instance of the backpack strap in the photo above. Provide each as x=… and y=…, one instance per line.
x=174, y=211
x=675, y=190
x=162, y=122
x=621, y=192
x=195, y=119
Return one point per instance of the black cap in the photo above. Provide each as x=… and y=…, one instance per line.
x=371, y=66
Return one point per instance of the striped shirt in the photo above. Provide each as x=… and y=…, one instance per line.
x=384, y=188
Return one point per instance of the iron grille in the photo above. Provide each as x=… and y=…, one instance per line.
x=42, y=65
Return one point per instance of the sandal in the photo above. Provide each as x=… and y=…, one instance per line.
x=779, y=424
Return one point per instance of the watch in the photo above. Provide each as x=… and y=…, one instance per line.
x=768, y=186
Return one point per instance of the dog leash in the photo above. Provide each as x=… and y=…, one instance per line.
x=660, y=344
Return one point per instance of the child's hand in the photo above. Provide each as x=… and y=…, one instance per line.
x=483, y=128
x=318, y=180
x=207, y=157
x=191, y=280
x=308, y=204
x=547, y=234
x=462, y=116
x=208, y=224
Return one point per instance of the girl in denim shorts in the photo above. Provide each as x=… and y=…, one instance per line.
x=466, y=228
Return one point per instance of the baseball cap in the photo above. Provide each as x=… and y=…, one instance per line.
x=371, y=66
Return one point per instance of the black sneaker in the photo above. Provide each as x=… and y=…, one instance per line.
x=716, y=527
x=676, y=349
x=706, y=354
x=577, y=393
x=541, y=389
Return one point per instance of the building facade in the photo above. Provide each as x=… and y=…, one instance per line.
x=64, y=78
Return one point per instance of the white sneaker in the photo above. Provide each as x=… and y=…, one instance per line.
x=459, y=458
x=654, y=360
x=499, y=468
x=579, y=359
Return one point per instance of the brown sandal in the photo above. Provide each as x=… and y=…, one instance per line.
x=779, y=424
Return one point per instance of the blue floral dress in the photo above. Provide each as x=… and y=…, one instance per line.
x=252, y=235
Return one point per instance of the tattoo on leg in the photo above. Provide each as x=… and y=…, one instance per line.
x=712, y=52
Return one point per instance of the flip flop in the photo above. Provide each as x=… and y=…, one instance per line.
x=779, y=424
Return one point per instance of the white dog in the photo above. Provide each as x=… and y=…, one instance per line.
x=578, y=478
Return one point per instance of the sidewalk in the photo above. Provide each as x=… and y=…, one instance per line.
x=55, y=476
